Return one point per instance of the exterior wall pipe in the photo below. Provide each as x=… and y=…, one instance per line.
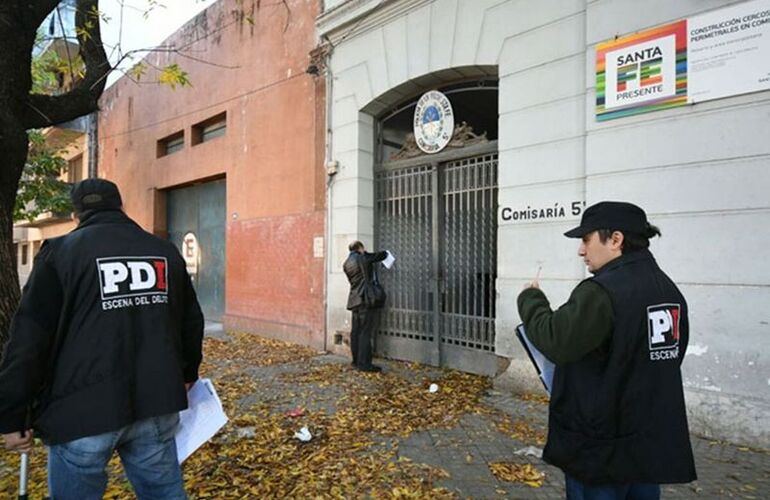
x=329, y=179
x=93, y=145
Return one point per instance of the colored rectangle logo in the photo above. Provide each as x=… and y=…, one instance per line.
x=646, y=71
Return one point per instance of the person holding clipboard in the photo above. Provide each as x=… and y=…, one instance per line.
x=617, y=423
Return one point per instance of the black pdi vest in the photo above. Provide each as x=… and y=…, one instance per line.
x=121, y=354
x=618, y=415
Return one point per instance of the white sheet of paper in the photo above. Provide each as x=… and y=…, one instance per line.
x=199, y=422
x=389, y=260
x=543, y=365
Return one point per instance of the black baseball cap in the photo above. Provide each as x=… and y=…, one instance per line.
x=95, y=194
x=615, y=215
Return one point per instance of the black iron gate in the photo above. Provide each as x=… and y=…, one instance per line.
x=438, y=215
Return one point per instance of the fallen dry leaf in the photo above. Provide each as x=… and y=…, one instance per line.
x=518, y=473
x=520, y=430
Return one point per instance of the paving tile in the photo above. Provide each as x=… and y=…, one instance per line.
x=725, y=470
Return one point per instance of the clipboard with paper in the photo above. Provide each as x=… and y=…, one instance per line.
x=543, y=366
x=204, y=418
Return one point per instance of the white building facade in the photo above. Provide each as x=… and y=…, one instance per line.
x=700, y=170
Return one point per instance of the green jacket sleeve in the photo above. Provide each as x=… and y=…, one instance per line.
x=576, y=328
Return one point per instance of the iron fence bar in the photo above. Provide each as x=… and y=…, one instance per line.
x=492, y=224
x=410, y=243
x=403, y=237
x=477, y=251
x=465, y=255
x=484, y=216
x=451, y=236
x=436, y=262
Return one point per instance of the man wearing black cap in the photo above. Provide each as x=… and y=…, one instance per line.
x=105, y=340
x=617, y=423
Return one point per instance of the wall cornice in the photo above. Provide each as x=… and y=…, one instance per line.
x=356, y=17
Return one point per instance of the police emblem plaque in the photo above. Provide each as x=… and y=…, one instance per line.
x=434, y=122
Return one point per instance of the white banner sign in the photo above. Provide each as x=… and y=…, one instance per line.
x=729, y=51
x=556, y=210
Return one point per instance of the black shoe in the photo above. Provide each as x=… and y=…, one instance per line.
x=370, y=369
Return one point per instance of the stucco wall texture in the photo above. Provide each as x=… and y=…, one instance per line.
x=700, y=172
x=271, y=154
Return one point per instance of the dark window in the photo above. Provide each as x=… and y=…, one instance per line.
x=213, y=127
x=170, y=144
x=24, y=250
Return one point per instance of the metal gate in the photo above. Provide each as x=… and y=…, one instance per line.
x=200, y=210
x=438, y=215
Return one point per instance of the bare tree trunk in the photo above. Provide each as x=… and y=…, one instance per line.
x=9, y=279
x=13, y=153
x=21, y=111
x=15, y=82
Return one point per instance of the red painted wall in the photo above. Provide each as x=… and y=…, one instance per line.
x=271, y=155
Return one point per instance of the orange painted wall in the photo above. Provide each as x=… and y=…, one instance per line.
x=271, y=154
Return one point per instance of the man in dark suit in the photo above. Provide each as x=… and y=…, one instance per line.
x=358, y=268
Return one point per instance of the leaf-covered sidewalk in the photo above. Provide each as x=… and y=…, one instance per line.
x=380, y=435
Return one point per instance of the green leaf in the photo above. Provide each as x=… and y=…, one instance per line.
x=83, y=33
x=98, y=14
x=172, y=75
x=41, y=189
x=49, y=70
x=137, y=71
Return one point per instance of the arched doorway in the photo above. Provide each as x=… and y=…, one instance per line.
x=438, y=214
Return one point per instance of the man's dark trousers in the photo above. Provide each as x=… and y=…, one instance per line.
x=364, y=323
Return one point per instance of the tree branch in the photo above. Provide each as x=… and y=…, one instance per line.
x=66, y=45
x=42, y=8
x=43, y=110
x=288, y=15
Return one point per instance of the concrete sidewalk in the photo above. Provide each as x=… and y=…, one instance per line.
x=495, y=431
x=380, y=435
